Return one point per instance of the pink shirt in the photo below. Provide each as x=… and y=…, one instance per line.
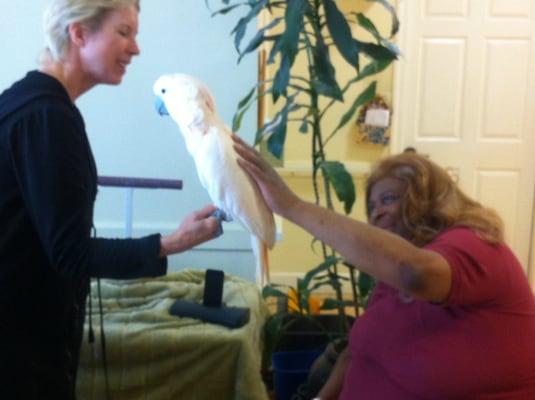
x=479, y=345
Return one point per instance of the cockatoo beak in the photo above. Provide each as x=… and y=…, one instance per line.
x=160, y=106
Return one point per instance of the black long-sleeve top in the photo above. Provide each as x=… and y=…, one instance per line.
x=48, y=185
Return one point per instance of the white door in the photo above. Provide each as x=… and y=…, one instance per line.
x=465, y=95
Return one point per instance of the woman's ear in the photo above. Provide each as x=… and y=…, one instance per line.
x=77, y=34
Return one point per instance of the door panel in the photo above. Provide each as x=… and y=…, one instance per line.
x=440, y=119
x=442, y=8
x=511, y=8
x=505, y=92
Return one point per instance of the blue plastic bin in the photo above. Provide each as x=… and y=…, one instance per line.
x=290, y=370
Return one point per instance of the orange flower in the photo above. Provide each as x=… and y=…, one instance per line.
x=314, y=303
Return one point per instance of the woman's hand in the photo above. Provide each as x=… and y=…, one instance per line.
x=196, y=228
x=276, y=193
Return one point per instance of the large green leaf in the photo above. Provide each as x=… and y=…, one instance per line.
x=303, y=128
x=269, y=127
x=367, y=24
x=378, y=51
x=341, y=181
x=373, y=68
x=243, y=102
x=324, y=73
x=275, y=143
x=341, y=33
x=241, y=27
x=266, y=129
x=272, y=290
x=239, y=32
x=367, y=95
x=288, y=45
x=275, y=49
x=226, y=2
x=293, y=18
x=275, y=129
x=365, y=283
x=258, y=39
x=282, y=78
x=224, y=10
x=243, y=106
x=391, y=9
x=324, y=266
x=392, y=47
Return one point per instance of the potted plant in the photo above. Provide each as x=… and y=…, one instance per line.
x=299, y=311
x=313, y=30
x=298, y=326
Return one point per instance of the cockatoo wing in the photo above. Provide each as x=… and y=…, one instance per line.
x=230, y=188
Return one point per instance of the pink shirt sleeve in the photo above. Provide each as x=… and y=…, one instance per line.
x=479, y=269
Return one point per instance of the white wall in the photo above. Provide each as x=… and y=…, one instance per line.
x=129, y=138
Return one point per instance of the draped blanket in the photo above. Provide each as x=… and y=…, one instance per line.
x=153, y=355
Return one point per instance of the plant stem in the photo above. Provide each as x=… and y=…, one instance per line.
x=318, y=153
x=355, y=293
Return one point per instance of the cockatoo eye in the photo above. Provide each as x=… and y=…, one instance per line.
x=163, y=91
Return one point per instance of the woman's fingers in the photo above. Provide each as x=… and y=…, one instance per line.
x=250, y=168
x=245, y=150
x=250, y=159
x=276, y=193
x=206, y=211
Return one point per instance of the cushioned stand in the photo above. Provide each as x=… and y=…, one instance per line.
x=212, y=309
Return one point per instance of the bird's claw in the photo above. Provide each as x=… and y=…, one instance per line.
x=221, y=216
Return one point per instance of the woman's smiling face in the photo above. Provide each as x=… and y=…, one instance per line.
x=384, y=205
x=108, y=50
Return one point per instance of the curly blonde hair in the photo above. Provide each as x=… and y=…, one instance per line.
x=433, y=201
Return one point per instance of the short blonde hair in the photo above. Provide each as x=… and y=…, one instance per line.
x=59, y=14
x=433, y=201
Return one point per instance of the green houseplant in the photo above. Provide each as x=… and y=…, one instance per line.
x=314, y=30
x=296, y=326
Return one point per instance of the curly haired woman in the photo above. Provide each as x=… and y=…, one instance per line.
x=453, y=315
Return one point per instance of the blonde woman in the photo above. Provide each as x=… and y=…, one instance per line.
x=48, y=179
x=452, y=316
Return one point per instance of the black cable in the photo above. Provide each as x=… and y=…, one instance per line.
x=91, y=333
x=103, y=342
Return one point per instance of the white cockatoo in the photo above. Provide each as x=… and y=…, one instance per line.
x=208, y=140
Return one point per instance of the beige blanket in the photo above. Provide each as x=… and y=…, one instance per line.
x=153, y=355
